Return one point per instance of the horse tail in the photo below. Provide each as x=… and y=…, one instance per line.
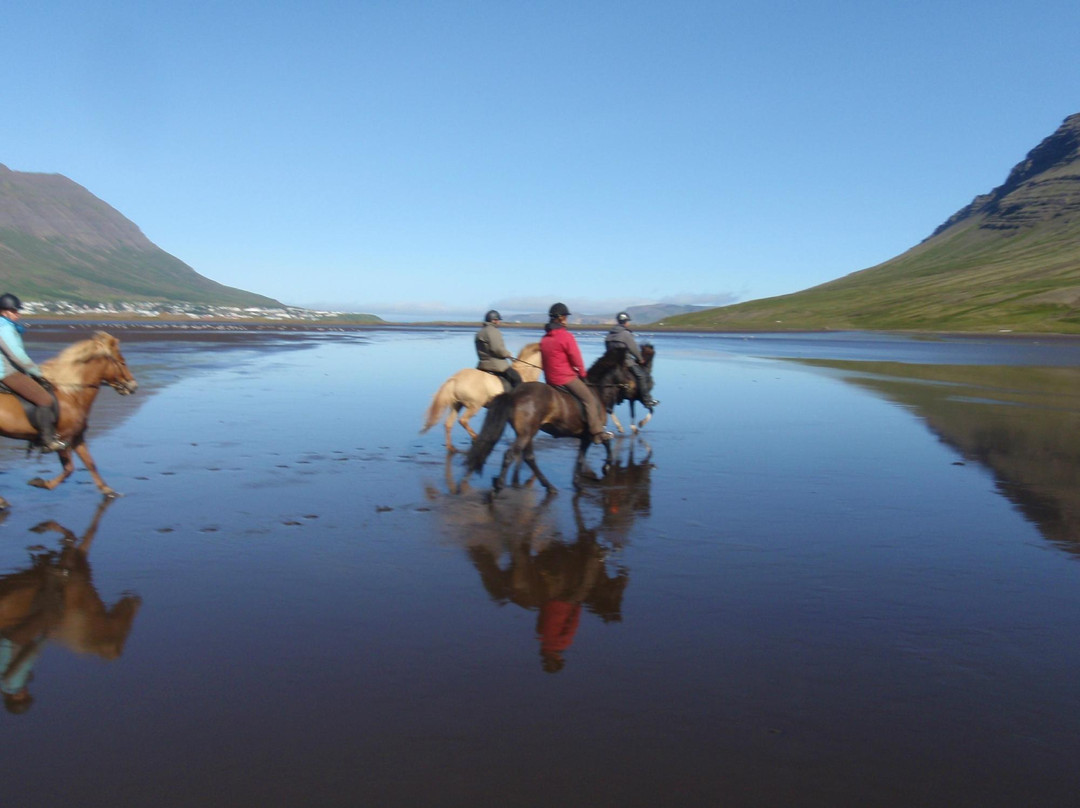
x=442, y=399
x=498, y=414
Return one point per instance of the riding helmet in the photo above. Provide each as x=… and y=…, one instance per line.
x=8, y=302
x=622, y=317
x=558, y=310
x=492, y=317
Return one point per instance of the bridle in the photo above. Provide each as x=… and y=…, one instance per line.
x=118, y=386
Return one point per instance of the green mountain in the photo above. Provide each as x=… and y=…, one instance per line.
x=1008, y=261
x=60, y=242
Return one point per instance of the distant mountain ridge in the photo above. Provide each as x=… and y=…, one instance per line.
x=60, y=242
x=639, y=315
x=1008, y=261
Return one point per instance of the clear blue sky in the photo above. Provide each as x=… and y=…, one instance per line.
x=411, y=156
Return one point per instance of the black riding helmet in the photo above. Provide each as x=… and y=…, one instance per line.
x=492, y=316
x=558, y=310
x=8, y=302
x=622, y=317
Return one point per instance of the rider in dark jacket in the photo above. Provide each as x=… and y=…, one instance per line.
x=491, y=350
x=620, y=334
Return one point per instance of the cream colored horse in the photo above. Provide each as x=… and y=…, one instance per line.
x=469, y=390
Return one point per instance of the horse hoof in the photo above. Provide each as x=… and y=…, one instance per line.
x=110, y=494
x=4, y=504
x=37, y=482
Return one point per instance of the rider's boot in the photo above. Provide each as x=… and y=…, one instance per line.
x=50, y=441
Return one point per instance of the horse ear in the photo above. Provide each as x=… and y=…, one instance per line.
x=107, y=340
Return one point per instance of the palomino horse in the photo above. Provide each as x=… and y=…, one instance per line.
x=533, y=407
x=470, y=390
x=632, y=394
x=55, y=601
x=77, y=374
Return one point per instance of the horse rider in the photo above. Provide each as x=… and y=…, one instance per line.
x=491, y=350
x=620, y=334
x=564, y=368
x=21, y=375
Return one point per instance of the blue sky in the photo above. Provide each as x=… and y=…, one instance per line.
x=453, y=156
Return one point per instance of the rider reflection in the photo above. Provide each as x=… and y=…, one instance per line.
x=557, y=581
x=522, y=556
x=55, y=600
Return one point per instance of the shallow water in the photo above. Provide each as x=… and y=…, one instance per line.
x=833, y=570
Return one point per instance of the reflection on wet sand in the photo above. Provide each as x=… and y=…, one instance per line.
x=523, y=557
x=54, y=600
x=1022, y=423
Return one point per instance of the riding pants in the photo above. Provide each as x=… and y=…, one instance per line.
x=26, y=387
x=594, y=410
x=641, y=376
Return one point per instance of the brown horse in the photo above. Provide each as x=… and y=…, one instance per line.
x=77, y=374
x=470, y=390
x=535, y=407
x=632, y=394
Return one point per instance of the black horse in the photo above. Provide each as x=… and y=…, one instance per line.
x=534, y=406
x=634, y=394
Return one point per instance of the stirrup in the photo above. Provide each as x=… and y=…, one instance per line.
x=53, y=444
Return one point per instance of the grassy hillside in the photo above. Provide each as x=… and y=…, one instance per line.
x=60, y=242
x=1008, y=261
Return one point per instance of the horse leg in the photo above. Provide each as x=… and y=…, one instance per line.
x=499, y=482
x=449, y=424
x=469, y=412
x=4, y=504
x=530, y=459
x=618, y=426
x=67, y=466
x=645, y=420
x=579, y=464
x=88, y=461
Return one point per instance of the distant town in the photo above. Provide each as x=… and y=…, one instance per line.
x=191, y=311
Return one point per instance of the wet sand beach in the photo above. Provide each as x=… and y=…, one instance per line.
x=833, y=570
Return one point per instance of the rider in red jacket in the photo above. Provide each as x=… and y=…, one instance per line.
x=564, y=367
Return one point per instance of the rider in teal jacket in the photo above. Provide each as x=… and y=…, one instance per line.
x=20, y=374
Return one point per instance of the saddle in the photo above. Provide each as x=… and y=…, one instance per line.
x=578, y=401
x=505, y=381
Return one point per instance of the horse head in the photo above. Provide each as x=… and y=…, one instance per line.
x=608, y=375
x=91, y=362
x=116, y=373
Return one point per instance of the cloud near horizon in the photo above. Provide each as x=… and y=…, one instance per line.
x=530, y=304
x=582, y=305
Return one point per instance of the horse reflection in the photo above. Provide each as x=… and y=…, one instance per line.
x=623, y=494
x=55, y=600
x=557, y=580
x=522, y=556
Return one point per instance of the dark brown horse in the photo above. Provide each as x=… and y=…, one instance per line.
x=76, y=374
x=633, y=394
x=534, y=407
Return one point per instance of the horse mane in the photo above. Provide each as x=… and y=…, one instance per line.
x=611, y=362
x=65, y=369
